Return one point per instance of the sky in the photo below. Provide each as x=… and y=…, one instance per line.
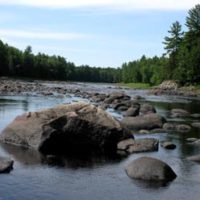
x=101, y=33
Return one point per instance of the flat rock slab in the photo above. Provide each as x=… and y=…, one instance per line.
x=144, y=122
x=139, y=145
x=150, y=169
x=6, y=165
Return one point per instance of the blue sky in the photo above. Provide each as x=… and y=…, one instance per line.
x=95, y=32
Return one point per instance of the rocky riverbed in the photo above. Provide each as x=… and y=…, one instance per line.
x=154, y=131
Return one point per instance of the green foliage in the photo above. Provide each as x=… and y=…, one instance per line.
x=172, y=45
x=14, y=62
x=181, y=61
x=136, y=85
x=173, y=41
x=193, y=20
x=145, y=70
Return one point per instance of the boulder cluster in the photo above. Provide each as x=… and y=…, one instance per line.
x=87, y=127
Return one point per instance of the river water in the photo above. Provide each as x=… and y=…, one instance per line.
x=97, y=178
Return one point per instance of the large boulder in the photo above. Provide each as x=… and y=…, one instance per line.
x=66, y=128
x=150, y=169
x=148, y=122
x=6, y=165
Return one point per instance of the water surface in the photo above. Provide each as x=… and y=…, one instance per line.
x=98, y=178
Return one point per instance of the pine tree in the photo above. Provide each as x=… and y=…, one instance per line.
x=172, y=44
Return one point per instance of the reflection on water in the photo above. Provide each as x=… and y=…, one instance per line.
x=97, y=177
x=32, y=157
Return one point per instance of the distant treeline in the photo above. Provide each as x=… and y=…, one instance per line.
x=180, y=62
x=16, y=63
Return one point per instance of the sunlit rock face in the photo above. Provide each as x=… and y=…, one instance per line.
x=78, y=127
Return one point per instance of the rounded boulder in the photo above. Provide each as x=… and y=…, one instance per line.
x=150, y=169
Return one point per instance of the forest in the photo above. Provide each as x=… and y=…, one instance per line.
x=180, y=61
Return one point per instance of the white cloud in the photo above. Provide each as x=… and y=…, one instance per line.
x=41, y=35
x=114, y=4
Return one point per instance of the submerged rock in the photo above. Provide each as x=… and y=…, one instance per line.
x=6, y=165
x=78, y=127
x=150, y=169
x=168, y=145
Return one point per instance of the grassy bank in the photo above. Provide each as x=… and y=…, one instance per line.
x=135, y=85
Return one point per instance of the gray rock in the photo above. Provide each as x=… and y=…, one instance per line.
x=143, y=145
x=132, y=112
x=66, y=128
x=176, y=127
x=144, y=131
x=124, y=144
x=195, y=158
x=168, y=145
x=178, y=112
x=139, y=145
x=150, y=169
x=116, y=96
x=191, y=139
x=147, y=122
x=183, y=128
x=196, y=124
x=195, y=115
x=158, y=130
x=138, y=97
x=196, y=142
x=6, y=165
x=169, y=127
x=120, y=107
x=147, y=109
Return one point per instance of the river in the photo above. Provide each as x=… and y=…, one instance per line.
x=98, y=178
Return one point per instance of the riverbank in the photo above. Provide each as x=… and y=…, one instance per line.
x=50, y=88
x=135, y=85
x=166, y=88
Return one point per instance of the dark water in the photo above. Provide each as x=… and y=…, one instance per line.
x=98, y=178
